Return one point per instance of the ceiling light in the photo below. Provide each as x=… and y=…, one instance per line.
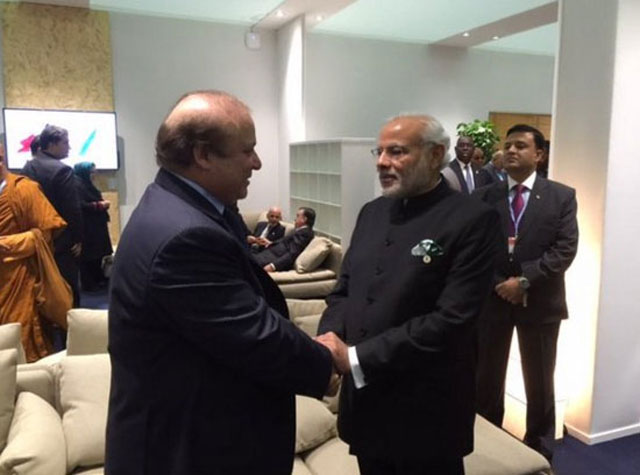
x=279, y=13
x=319, y=18
x=496, y=37
x=466, y=34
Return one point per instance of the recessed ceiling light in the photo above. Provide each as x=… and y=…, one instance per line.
x=319, y=18
x=279, y=13
x=496, y=37
x=466, y=34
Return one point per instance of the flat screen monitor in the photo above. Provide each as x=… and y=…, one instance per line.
x=92, y=135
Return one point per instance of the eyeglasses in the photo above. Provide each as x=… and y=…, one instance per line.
x=395, y=152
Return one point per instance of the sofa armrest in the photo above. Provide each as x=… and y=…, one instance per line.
x=36, y=444
x=333, y=261
x=301, y=308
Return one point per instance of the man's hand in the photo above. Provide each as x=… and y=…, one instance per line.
x=269, y=268
x=339, y=351
x=264, y=242
x=510, y=290
x=252, y=239
x=105, y=204
x=76, y=249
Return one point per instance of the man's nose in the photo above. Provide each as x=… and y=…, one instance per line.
x=383, y=160
x=257, y=163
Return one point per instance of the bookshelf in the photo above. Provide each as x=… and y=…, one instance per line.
x=335, y=177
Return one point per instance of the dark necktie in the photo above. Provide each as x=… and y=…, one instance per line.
x=517, y=205
x=468, y=177
x=236, y=224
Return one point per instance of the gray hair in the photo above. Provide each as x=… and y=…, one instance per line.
x=432, y=131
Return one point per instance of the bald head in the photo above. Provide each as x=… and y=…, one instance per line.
x=274, y=215
x=208, y=120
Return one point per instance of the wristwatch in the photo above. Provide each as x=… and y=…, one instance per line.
x=524, y=283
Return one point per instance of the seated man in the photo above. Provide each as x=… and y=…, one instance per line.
x=282, y=254
x=267, y=232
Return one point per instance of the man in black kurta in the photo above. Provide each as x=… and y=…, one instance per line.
x=411, y=287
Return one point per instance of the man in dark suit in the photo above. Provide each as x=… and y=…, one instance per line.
x=281, y=255
x=58, y=184
x=267, y=232
x=410, y=290
x=540, y=241
x=493, y=171
x=205, y=363
x=465, y=169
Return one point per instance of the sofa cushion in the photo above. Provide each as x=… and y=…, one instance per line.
x=299, y=468
x=299, y=307
x=8, y=364
x=8, y=359
x=10, y=338
x=332, y=457
x=498, y=453
x=293, y=277
x=308, y=290
x=314, y=423
x=38, y=379
x=84, y=393
x=313, y=255
x=308, y=324
x=36, y=443
x=88, y=331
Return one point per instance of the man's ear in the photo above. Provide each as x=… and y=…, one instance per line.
x=202, y=157
x=437, y=155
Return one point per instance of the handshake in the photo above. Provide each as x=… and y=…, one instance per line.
x=340, y=354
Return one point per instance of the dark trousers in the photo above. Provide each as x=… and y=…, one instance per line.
x=537, y=344
x=375, y=466
x=91, y=275
x=68, y=266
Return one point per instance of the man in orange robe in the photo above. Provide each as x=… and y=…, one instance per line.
x=27, y=222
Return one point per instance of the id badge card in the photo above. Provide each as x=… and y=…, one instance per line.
x=511, y=243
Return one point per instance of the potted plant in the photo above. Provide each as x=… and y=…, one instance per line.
x=483, y=133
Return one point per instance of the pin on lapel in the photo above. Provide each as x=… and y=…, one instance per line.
x=537, y=197
x=426, y=249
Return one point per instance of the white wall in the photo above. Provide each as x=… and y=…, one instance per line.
x=593, y=147
x=290, y=41
x=155, y=60
x=617, y=371
x=353, y=85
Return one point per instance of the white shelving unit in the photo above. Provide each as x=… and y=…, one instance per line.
x=334, y=177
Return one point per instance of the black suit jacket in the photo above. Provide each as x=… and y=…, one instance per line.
x=57, y=181
x=274, y=234
x=204, y=363
x=479, y=178
x=546, y=245
x=283, y=253
x=413, y=324
x=492, y=175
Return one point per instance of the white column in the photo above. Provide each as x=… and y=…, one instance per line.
x=594, y=149
x=290, y=47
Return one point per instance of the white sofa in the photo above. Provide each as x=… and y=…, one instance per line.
x=53, y=413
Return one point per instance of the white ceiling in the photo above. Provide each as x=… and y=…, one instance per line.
x=526, y=26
